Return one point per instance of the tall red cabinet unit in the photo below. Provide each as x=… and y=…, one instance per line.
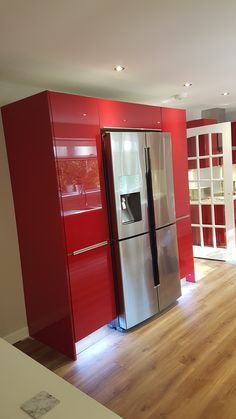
x=55, y=158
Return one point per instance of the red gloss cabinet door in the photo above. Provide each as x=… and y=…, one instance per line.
x=80, y=191
x=184, y=236
x=92, y=290
x=77, y=144
x=115, y=114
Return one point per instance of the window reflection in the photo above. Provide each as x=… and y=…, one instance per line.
x=78, y=174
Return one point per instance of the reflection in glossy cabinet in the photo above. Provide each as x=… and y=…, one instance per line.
x=79, y=182
x=92, y=290
x=77, y=144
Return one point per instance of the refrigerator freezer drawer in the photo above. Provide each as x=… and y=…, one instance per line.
x=168, y=265
x=140, y=299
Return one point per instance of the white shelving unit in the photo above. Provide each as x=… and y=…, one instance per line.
x=211, y=189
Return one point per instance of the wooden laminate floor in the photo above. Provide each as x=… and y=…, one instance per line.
x=181, y=365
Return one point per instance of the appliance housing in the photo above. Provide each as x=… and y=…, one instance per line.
x=61, y=220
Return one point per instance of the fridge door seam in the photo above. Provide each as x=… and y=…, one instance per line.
x=130, y=237
x=86, y=249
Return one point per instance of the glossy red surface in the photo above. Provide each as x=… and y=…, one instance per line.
x=233, y=133
x=203, y=143
x=199, y=122
x=115, y=114
x=39, y=224
x=184, y=235
x=79, y=165
x=60, y=203
x=92, y=290
x=173, y=121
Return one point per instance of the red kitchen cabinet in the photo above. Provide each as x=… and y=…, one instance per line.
x=115, y=114
x=58, y=212
x=233, y=132
x=184, y=235
x=77, y=143
x=90, y=274
x=204, y=144
x=55, y=158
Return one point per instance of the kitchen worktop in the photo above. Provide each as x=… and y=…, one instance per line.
x=21, y=378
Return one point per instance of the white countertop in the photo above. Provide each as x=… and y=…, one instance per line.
x=21, y=378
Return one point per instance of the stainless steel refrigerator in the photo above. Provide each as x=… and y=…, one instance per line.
x=139, y=177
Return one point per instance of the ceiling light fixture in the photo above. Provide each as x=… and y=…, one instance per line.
x=225, y=94
x=119, y=68
x=187, y=84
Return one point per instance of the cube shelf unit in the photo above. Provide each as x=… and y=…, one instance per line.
x=212, y=191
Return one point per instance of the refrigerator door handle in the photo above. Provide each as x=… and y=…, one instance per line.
x=151, y=216
x=153, y=243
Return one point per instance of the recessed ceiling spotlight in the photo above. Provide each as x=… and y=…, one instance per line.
x=119, y=68
x=187, y=84
x=225, y=94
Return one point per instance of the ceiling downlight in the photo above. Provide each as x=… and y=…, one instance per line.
x=119, y=68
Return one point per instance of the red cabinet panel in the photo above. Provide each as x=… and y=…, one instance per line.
x=92, y=290
x=79, y=166
x=184, y=235
x=39, y=223
x=199, y=122
x=204, y=142
x=174, y=121
x=128, y=115
x=233, y=133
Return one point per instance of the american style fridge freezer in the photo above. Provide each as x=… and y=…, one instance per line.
x=138, y=168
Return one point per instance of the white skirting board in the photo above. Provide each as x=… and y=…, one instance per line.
x=19, y=334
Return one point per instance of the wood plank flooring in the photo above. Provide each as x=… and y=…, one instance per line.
x=181, y=365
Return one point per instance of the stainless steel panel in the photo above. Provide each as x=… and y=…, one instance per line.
x=140, y=296
x=168, y=265
x=162, y=177
x=128, y=163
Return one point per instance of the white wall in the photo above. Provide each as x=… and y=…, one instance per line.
x=192, y=113
x=13, y=324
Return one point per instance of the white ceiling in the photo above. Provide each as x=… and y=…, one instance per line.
x=73, y=46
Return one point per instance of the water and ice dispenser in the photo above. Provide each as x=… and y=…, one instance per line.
x=130, y=208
